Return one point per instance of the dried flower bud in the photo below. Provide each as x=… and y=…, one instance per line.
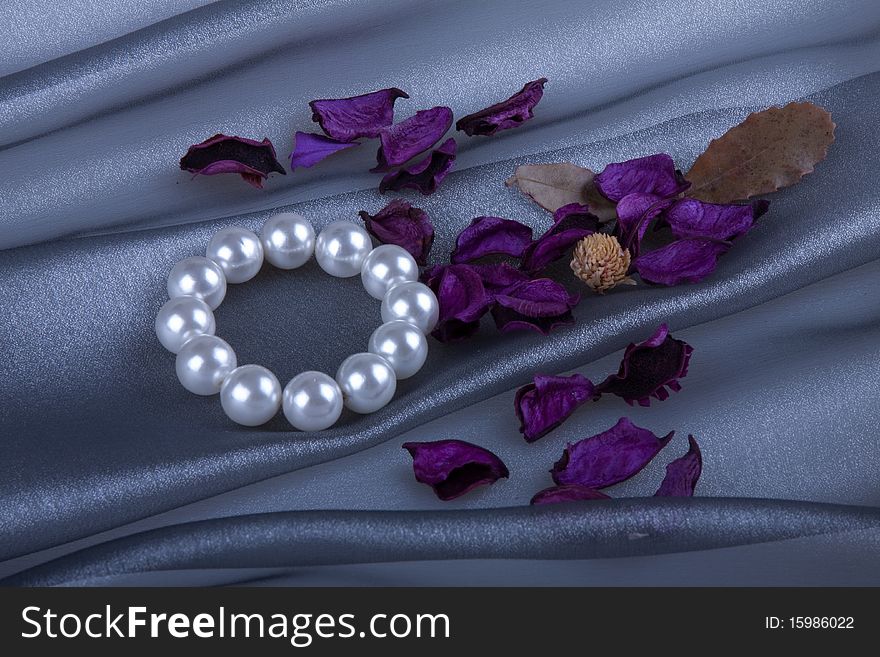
x=601, y=263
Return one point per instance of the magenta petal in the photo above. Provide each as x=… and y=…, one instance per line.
x=346, y=119
x=687, y=260
x=546, y=403
x=491, y=236
x=507, y=114
x=402, y=141
x=309, y=149
x=252, y=160
x=567, y=493
x=654, y=174
x=539, y=305
x=689, y=217
x=463, y=300
x=453, y=467
x=401, y=224
x=650, y=368
x=683, y=473
x=634, y=215
x=608, y=457
x=426, y=174
x=571, y=223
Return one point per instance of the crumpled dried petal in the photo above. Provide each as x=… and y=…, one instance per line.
x=689, y=217
x=683, y=473
x=309, y=149
x=507, y=114
x=567, y=493
x=426, y=174
x=634, y=215
x=462, y=298
x=401, y=224
x=499, y=277
x=491, y=236
x=252, y=160
x=654, y=174
x=453, y=467
x=402, y=141
x=650, y=368
x=540, y=305
x=571, y=223
x=546, y=403
x=686, y=260
x=346, y=119
x=608, y=457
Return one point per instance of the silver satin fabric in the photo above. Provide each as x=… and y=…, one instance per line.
x=111, y=473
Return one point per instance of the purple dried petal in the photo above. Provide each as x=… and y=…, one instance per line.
x=402, y=141
x=649, y=368
x=401, y=224
x=507, y=114
x=426, y=174
x=346, y=119
x=687, y=260
x=546, y=403
x=491, y=236
x=453, y=467
x=539, y=305
x=571, y=223
x=689, y=217
x=252, y=160
x=567, y=493
x=462, y=298
x=499, y=277
x=654, y=174
x=309, y=149
x=634, y=215
x=683, y=473
x=608, y=457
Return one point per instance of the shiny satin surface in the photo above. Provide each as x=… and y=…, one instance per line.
x=97, y=433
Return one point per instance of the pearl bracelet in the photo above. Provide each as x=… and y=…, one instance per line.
x=250, y=394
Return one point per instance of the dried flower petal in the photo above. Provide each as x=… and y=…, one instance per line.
x=491, y=236
x=309, y=149
x=346, y=119
x=546, y=403
x=453, y=467
x=654, y=174
x=540, y=305
x=683, y=473
x=571, y=223
x=649, y=368
x=426, y=174
x=687, y=260
x=252, y=160
x=402, y=141
x=401, y=224
x=567, y=493
x=689, y=217
x=634, y=215
x=608, y=457
x=601, y=262
x=499, y=277
x=463, y=300
x=507, y=114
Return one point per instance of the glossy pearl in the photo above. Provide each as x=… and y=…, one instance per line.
x=414, y=303
x=341, y=247
x=198, y=277
x=312, y=401
x=203, y=362
x=250, y=395
x=386, y=266
x=367, y=382
x=181, y=319
x=403, y=345
x=288, y=240
x=239, y=253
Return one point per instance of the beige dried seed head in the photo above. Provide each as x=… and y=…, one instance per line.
x=601, y=262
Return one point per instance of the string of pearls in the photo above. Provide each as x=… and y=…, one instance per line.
x=250, y=394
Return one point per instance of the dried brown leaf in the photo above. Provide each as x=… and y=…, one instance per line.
x=770, y=150
x=553, y=185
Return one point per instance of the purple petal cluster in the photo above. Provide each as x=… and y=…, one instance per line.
x=252, y=160
x=454, y=467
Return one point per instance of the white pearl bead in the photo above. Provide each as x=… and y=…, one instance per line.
x=414, y=303
x=250, y=395
x=198, y=277
x=238, y=252
x=403, y=345
x=386, y=266
x=312, y=401
x=181, y=319
x=341, y=247
x=203, y=362
x=288, y=240
x=367, y=382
